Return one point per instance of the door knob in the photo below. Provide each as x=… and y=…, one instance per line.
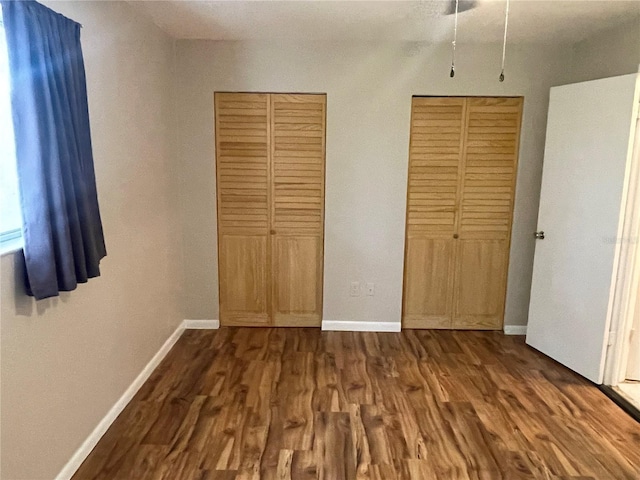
x=272, y=232
x=455, y=235
x=540, y=235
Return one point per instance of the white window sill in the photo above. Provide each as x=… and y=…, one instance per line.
x=8, y=248
x=11, y=245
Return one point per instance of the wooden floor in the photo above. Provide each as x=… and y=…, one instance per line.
x=242, y=403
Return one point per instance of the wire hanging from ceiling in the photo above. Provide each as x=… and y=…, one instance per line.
x=504, y=41
x=453, y=44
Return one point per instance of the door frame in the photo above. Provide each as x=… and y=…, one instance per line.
x=626, y=280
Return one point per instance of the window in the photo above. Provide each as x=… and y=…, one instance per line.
x=10, y=217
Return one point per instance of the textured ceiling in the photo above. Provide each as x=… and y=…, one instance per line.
x=531, y=21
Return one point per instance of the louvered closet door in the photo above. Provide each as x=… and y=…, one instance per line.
x=486, y=206
x=242, y=144
x=435, y=159
x=297, y=210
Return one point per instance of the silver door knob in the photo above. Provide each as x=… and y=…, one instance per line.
x=540, y=235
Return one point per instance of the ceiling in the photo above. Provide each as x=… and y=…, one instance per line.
x=531, y=21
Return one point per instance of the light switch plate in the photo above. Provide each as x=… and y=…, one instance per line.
x=354, y=291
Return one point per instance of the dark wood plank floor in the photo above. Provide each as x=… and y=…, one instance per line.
x=242, y=403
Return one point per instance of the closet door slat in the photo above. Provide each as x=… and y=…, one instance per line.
x=297, y=210
x=486, y=212
x=435, y=160
x=243, y=178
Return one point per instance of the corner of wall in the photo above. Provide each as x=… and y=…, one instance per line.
x=606, y=53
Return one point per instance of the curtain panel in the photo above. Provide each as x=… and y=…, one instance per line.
x=62, y=229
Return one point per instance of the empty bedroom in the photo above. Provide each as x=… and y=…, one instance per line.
x=319, y=239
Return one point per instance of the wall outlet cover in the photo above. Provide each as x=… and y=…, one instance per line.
x=371, y=289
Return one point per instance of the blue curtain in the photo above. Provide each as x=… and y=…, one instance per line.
x=63, y=238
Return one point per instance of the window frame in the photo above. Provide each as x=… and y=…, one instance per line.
x=10, y=240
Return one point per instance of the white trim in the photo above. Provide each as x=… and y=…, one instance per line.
x=11, y=246
x=355, y=326
x=201, y=324
x=515, y=329
x=94, y=437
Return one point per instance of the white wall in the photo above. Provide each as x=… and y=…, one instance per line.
x=66, y=361
x=369, y=89
x=608, y=53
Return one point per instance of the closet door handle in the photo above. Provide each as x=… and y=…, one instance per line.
x=455, y=235
x=272, y=232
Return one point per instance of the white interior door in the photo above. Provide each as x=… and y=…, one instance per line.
x=589, y=133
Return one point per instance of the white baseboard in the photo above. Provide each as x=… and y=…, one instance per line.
x=201, y=324
x=94, y=437
x=515, y=329
x=355, y=326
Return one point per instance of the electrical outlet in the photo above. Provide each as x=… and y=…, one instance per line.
x=371, y=289
x=354, y=291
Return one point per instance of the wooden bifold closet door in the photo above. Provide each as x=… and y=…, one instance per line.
x=270, y=153
x=462, y=168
